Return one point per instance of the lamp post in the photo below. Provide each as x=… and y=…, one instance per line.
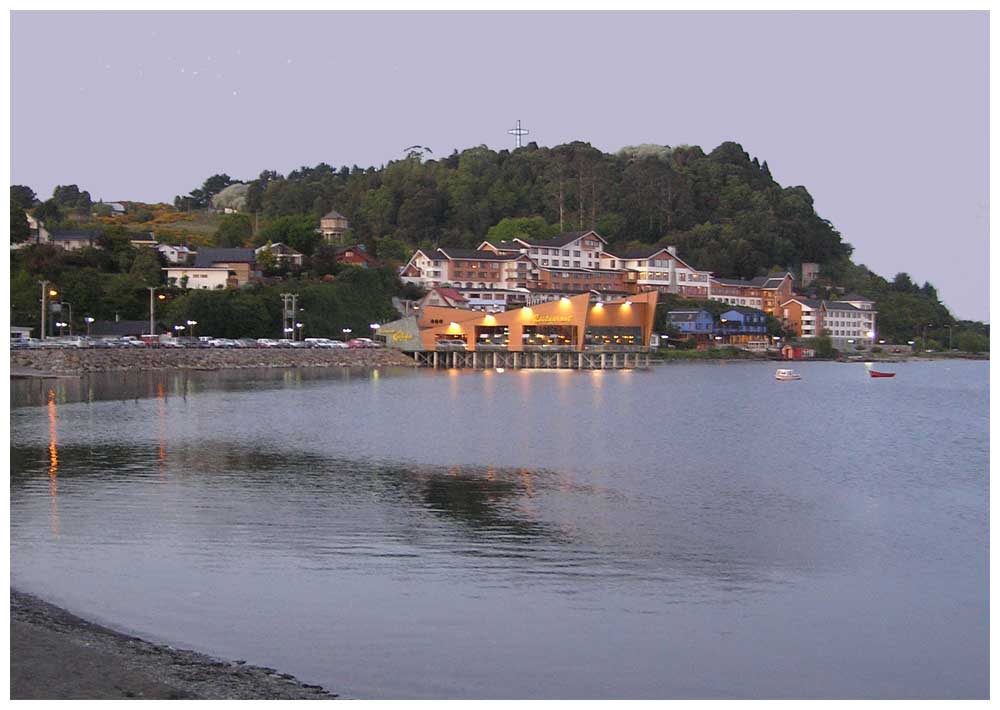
x=46, y=294
x=191, y=325
x=298, y=333
x=925, y=334
x=60, y=325
x=949, y=337
x=70, y=321
x=89, y=320
x=152, y=307
x=346, y=332
x=177, y=330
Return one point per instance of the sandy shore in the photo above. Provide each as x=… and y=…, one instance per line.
x=55, y=655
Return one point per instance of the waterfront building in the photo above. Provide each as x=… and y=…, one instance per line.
x=803, y=315
x=745, y=328
x=570, y=324
x=691, y=322
x=849, y=323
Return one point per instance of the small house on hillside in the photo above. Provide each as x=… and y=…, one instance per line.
x=283, y=254
x=74, y=239
x=356, y=255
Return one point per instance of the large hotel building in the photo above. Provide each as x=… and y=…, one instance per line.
x=524, y=272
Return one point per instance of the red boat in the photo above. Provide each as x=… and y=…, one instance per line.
x=876, y=373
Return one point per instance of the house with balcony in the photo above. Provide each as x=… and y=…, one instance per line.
x=572, y=250
x=765, y=293
x=804, y=316
x=655, y=268
x=744, y=328
x=467, y=268
x=284, y=255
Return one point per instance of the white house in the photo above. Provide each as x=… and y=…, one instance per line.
x=175, y=254
x=203, y=277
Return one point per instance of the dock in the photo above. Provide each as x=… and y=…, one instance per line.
x=539, y=360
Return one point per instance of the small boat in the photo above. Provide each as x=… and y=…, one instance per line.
x=787, y=375
x=876, y=373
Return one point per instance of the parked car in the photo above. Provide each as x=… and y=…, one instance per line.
x=222, y=343
x=246, y=343
x=267, y=343
x=362, y=343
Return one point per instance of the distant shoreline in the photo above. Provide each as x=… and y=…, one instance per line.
x=56, y=655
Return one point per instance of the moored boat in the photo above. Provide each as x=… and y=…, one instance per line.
x=876, y=373
x=784, y=374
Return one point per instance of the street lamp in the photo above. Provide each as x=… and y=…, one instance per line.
x=177, y=330
x=70, y=321
x=46, y=294
x=152, y=307
x=89, y=320
x=60, y=325
x=192, y=324
x=300, y=326
x=345, y=331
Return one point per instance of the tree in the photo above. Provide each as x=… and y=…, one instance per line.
x=297, y=232
x=48, y=212
x=20, y=232
x=973, y=342
x=235, y=230
x=70, y=197
x=23, y=196
x=525, y=227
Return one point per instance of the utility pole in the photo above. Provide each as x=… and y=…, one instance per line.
x=152, y=309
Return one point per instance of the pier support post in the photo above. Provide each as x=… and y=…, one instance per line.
x=475, y=364
x=435, y=360
x=603, y=360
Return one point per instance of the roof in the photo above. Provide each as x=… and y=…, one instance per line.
x=640, y=253
x=207, y=257
x=686, y=315
x=334, y=214
x=809, y=302
x=71, y=234
x=856, y=297
x=450, y=293
x=561, y=240
x=279, y=248
x=480, y=254
x=842, y=306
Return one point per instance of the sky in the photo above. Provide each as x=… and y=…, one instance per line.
x=883, y=117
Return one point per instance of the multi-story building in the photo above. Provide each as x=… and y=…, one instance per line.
x=802, y=315
x=468, y=268
x=848, y=322
x=692, y=323
x=658, y=269
x=573, y=250
x=765, y=293
x=745, y=328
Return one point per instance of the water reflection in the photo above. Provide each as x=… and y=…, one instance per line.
x=53, y=463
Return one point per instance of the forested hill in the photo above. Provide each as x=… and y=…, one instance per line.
x=723, y=210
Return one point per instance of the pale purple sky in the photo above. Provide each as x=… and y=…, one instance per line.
x=882, y=116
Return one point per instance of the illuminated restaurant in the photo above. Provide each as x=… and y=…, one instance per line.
x=569, y=324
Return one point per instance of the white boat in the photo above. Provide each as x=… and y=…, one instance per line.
x=787, y=375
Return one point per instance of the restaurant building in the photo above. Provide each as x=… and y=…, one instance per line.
x=570, y=326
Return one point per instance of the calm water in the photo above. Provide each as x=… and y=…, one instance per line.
x=691, y=531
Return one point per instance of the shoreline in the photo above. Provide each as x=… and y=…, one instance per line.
x=56, y=655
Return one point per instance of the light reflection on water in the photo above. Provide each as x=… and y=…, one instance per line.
x=673, y=533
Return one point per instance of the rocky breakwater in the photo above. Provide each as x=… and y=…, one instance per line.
x=77, y=361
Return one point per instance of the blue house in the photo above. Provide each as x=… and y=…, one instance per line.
x=691, y=322
x=745, y=322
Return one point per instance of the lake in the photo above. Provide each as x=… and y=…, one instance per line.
x=690, y=531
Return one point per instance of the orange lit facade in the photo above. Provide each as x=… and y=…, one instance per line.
x=569, y=324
